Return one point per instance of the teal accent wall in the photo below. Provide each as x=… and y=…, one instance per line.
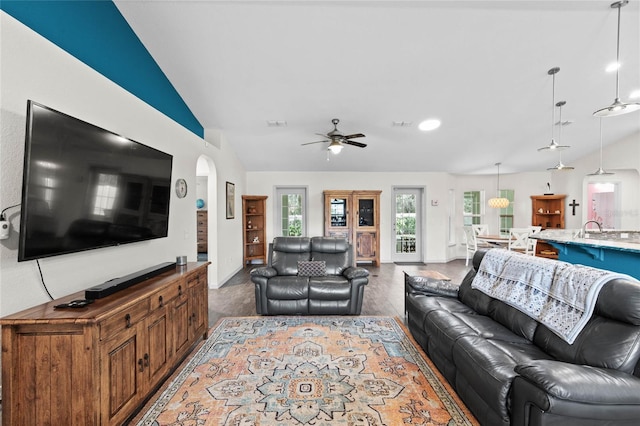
x=97, y=34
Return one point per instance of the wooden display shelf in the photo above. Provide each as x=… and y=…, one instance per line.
x=254, y=226
x=547, y=211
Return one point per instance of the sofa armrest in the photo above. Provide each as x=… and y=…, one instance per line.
x=264, y=271
x=430, y=286
x=573, y=395
x=355, y=272
x=582, y=383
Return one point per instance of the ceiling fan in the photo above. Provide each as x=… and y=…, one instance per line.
x=337, y=140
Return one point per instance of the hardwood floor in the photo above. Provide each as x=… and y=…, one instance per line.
x=383, y=296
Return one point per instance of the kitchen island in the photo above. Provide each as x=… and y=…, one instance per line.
x=617, y=251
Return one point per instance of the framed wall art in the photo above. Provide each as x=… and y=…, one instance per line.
x=231, y=200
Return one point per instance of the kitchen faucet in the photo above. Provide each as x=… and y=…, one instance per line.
x=584, y=227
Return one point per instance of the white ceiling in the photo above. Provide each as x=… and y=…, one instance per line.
x=479, y=66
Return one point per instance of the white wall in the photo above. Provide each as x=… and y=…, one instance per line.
x=436, y=187
x=227, y=232
x=34, y=68
x=621, y=155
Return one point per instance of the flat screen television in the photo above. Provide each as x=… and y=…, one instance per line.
x=85, y=187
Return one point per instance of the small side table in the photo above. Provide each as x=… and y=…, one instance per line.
x=428, y=282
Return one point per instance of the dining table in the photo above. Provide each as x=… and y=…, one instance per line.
x=497, y=239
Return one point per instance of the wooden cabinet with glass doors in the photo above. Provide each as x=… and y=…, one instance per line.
x=337, y=214
x=355, y=215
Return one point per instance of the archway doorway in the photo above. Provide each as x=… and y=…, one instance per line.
x=207, y=215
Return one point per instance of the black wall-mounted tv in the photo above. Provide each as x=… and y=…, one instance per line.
x=85, y=187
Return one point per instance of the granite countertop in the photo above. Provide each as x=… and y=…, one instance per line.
x=614, y=240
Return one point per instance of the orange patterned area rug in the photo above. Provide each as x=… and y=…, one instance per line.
x=307, y=371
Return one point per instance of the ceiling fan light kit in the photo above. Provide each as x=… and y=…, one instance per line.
x=335, y=147
x=337, y=140
x=618, y=107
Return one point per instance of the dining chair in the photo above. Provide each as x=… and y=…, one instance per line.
x=533, y=242
x=519, y=240
x=480, y=229
x=472, y=243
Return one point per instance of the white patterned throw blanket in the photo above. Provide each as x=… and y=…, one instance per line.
x=560, y=295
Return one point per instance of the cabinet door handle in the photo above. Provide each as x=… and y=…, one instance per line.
x=127, y=319
x=179, y=290
x=140, y=363
x=161, y=301
x=146, y=360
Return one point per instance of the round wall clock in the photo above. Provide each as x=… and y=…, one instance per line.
x=181, y=188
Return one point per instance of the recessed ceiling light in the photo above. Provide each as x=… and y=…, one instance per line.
x=430, y=124
x=612, y=67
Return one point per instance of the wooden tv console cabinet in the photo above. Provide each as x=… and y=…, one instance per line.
x=96, y=365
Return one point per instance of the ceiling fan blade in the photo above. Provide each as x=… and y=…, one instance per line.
x=309, y=143
x=354, y=143
x=355, y=135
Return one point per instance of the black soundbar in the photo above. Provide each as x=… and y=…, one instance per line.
x=117, y=284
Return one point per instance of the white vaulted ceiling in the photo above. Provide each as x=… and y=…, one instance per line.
x=478, y=66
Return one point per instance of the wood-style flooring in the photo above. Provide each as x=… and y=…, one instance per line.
x=384, y=295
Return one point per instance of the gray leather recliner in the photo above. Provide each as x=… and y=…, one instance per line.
x=281, y=290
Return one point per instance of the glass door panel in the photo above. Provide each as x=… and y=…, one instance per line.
x=291, y=211
x=365, y=212
x=338, y=212
x=406, y=225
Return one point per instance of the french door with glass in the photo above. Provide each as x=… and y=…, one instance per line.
x=406, y=225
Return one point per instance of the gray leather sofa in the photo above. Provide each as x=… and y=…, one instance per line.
x=511, y=370
x=281, y=290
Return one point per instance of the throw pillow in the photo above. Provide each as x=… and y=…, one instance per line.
x=312, y=268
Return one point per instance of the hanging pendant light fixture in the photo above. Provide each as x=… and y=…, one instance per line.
x=618, y=107
x=600, y=171
x=498, y=202
x=553, y=146
x=560, y=165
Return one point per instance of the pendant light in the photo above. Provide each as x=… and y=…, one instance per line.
x=553, y=146
x=600, y=171
x=560, y=165
x=498, y=202
x=618, y=107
